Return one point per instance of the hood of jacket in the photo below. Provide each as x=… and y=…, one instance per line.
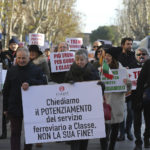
x=41, y=59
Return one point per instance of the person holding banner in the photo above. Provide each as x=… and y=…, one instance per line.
x=115, y=99
x=22, y=75
x=39, y=59
x=81, y=70
x=141, y=57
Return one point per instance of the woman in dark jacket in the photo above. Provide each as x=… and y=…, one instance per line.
x=81, y=70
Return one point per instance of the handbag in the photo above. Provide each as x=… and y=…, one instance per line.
x=146, y=96
x=107, y=110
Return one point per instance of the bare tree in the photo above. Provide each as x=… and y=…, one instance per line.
x=134, y=18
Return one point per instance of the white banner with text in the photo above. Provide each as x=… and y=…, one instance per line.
x=63, y=112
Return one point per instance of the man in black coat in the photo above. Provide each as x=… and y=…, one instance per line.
x=128, y=60
x=22, y=75
x=139, y=105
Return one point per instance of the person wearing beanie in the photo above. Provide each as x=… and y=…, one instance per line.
x=10, y=54
x=7, y=60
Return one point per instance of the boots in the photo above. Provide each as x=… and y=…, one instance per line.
x=113, y=136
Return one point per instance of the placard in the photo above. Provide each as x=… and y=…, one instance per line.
x=133, y=75
x=116, y=84
x=36, y=39
x=63, y=112
x=62, y=61
x=74, y=43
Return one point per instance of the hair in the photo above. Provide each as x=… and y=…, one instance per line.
x=114, y=64
x=23, y=49
x=82, y=52
x=100, y=48
x=126, y=39
x=141, y=49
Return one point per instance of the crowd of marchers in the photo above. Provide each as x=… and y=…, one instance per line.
x=30, y=66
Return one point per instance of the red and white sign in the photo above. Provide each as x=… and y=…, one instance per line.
x=61, y=62
x=74, y=43
x=133, y=75
x=21, y=44
x=36, y=39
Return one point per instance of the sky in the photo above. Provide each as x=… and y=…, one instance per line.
x=97, y=13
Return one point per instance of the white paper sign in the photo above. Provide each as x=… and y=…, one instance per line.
x=63, y=112
x=74, y=43
x=36, y=39
x=133, y=75
x=61, y=62
x=116, y=84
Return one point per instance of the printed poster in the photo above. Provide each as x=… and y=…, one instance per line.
x=63, y=112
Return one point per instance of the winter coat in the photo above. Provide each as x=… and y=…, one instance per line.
x=117, y=100
x=17, y=75
x=127, y=60
x=143, y=81
x=7, y=58
x=41, y=61
x=78, y=74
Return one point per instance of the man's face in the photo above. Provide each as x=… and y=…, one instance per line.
x=22, y=59
x=13, y=46
x=141, y=56
x=96, y=45
x=62, y=47
x=47, y=53
x=127, y=46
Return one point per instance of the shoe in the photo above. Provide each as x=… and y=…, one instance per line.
x=3, y=136
x=39, y=145
x=138, y=147
x=121, y=138
x=146, y=143
x=130, y=136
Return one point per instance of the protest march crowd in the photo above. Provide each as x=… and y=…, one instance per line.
x=123, y=75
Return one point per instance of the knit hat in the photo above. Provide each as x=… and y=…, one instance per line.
x=35, y=48
x=13, y=40
x=114, y=52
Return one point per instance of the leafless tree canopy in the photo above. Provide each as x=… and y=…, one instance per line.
x=57, y=19
x=133, y=19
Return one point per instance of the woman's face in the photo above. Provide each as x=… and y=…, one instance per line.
x=99, y=53
x=81, y=61
x=108, y=58
x=33, y=55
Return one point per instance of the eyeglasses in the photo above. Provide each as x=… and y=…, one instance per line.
x=141, y=54
x=95, y=46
